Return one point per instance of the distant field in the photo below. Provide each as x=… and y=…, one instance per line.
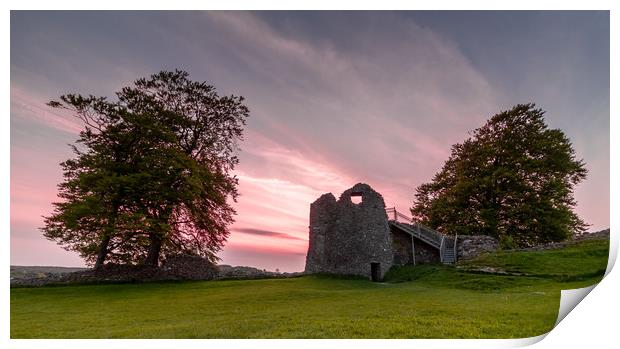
x=420, y=302
x=22, y=272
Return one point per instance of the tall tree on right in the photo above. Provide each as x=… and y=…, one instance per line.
x=512, y=179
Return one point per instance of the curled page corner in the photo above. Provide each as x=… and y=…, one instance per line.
x=569, y=300
x=525, y=342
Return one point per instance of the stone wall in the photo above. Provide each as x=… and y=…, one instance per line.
x=179, y=267
x=599, y=235
x=345, y=238
x=425, y=253
x=470, y=246
x=401, y=246
x=322, y=220
x=188, y=267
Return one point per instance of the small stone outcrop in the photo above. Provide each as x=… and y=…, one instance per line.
x=350, y=238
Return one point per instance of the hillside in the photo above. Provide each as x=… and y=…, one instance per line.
x=518, y=297
x=28, y=272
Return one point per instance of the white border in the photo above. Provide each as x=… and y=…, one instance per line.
x=591, y=323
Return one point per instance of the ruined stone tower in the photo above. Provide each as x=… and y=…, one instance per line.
x=350, y=238
x=355, y=236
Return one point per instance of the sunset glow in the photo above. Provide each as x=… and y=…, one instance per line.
x=335, y=99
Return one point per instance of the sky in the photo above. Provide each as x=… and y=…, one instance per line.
x=336, y=98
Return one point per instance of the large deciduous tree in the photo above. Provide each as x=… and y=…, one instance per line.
x=513, y=179
x=153, y=172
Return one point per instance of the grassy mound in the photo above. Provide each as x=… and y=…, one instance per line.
x=583, y=262
x=580, y=260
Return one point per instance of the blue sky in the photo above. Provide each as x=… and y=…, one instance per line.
x=336, y=98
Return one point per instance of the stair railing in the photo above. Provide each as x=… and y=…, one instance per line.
x=422, y=231
x=455, y=241
x=441, y=249
x=397, y=216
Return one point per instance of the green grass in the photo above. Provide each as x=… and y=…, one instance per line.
x=420, y=302
x=577, y=261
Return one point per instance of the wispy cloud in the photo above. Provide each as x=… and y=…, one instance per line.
x=268, y=257
x=267, y=233
x=34, y=108
x=384, y=112
x=342, y=98
x=325, y=117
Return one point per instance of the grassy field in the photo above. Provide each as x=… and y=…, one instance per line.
x=420, y=302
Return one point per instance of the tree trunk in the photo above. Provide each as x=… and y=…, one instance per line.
x=152, y=258
x=157, y=238
x=103, y=252
x=108, y=232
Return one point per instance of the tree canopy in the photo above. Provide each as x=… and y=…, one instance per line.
x=152, y=173
x=512, y=179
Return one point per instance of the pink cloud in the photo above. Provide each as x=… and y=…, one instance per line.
x=34, y=108
x=322, y=119
x=270, y=258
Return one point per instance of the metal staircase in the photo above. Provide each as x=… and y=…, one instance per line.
x=445, y=245
x=448, y=255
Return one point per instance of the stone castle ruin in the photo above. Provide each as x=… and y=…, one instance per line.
x=357, y=235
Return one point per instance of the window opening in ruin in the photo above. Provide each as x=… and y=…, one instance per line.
x=375, y=271
x=356, y=198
